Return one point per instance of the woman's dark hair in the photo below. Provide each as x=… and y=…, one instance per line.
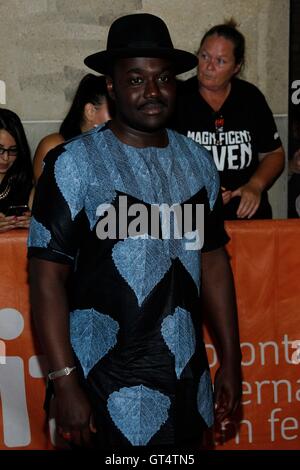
x=228, y=31
x=20, y=173
x=91, y=89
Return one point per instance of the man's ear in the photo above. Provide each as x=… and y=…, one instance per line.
x=110, y=87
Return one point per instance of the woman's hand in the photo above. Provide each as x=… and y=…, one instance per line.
x=270, y=166
x=11, y=222
x=23, y=221
x=250, y=195
x=7, y=223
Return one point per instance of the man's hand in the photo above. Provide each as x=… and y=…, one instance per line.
x=227, y=391
x=73, y=412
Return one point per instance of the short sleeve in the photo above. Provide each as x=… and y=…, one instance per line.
x=215, y=235
x=57, y=215
x=267, y=134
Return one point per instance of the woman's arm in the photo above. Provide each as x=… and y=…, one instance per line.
x=45, y=145
x=270, y=166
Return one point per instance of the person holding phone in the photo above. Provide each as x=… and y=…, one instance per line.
x=16, y=175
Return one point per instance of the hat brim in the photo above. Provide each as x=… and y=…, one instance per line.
x=102, y=61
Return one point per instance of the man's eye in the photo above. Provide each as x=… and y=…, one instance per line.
x=221, y=61
x=136, y=80
x=164, y=78
x=203, y=56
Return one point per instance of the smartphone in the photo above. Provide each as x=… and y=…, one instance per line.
x=17, y=210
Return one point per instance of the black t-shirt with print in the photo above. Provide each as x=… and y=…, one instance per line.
x=235, y=135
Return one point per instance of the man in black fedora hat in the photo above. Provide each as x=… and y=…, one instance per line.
x=115, y=290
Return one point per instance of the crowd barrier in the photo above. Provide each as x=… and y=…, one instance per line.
x=265, y=258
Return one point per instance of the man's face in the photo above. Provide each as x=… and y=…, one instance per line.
x=144, y=92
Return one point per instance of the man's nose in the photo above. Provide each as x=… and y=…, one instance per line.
x=151, y=89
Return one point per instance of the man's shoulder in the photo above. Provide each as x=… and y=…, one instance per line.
x=95, y=134
x=74, y=158
x=78, y=147
x=192, y=147
x=199, y=161
x=195, y=153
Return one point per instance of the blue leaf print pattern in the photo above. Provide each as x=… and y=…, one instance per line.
x=179, y=335
x=138, y=412
x=39, y=236
x=70, y=172
x=142, y=262
x=93, y=334
x=205, y=398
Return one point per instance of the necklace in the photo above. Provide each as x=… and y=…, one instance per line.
x=5, y=192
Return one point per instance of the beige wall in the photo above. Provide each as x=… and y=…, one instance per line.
x=43, y=43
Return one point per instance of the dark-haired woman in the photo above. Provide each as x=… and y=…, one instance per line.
x=16, y=176
x=231, y=118
x=89, y=108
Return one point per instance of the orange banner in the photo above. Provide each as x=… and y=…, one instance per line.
x=265, y=258
x=266, y=263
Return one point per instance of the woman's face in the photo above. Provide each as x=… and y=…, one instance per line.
x=8, y=158
x=217, y=63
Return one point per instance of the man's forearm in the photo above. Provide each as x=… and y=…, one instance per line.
x=218, y=295
x=51, y=311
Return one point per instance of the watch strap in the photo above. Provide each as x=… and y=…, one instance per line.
x=61, y=372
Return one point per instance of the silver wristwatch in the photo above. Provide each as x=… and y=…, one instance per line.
x=61, y=372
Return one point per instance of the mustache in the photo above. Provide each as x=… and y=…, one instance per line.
x=153, y=102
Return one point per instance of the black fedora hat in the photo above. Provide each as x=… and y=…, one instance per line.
x=140, y=35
